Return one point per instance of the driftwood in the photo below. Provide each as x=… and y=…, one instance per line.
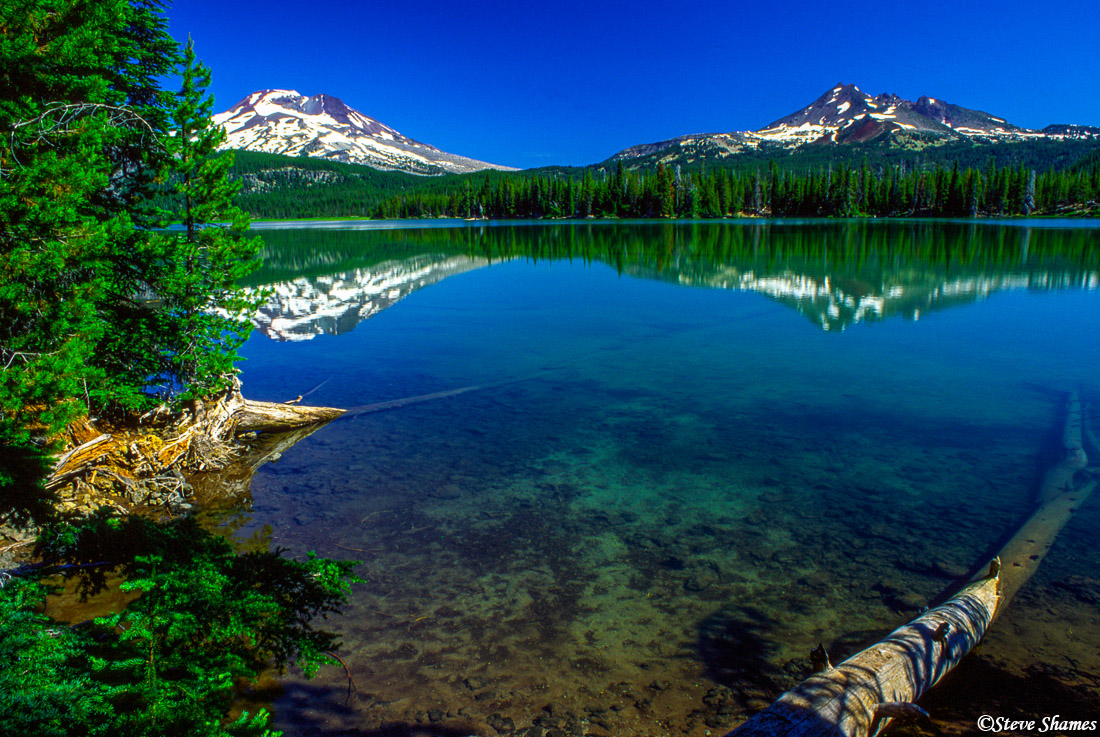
x=231, y=414
x=76, y=460
x=149, y=461
x=1062, y=476
x=861, y=694
x=859, y=697
x=273, y=417
x=406, y=401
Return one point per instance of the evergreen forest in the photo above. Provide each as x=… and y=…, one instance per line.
x=860, y=181
x=842, y=191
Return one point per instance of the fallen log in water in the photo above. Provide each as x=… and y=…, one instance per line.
x=859, y=697
x=1062, y=476
x=255, y=416
x=1064, y=488
x=231, y=414
x=406, y=401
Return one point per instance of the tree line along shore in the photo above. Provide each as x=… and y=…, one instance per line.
x=279, y=187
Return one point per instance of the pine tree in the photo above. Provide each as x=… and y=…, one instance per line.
x=80, y=116
x=202, y=310
x=665, y=192
x=1028, y=202
x=95, y=306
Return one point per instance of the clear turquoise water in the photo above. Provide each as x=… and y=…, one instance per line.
x=669, y=493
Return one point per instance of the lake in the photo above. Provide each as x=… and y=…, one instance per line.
x=683, y=455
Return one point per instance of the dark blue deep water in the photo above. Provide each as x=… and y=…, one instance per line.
x=688, y=453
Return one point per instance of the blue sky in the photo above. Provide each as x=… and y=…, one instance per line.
x=569, y=82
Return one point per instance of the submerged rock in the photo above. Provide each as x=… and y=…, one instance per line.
x=502, y=724
x=701, y=578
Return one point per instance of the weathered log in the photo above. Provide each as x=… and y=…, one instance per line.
x=406, y=401
x=417, y=399
x=231, y=414
x=1023, y=553
x=253, y=416
x=133, y=461
x=74, y=462
x=859, y=697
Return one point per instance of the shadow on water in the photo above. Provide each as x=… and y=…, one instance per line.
x=314, y=705
x=733, y=645
x=979, y=686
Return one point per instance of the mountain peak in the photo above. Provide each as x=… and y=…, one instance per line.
x=323, y=126
x=845, y=88
x=846, y=114
x=273, y=93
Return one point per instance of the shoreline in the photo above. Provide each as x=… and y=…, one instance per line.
x=1039, y=221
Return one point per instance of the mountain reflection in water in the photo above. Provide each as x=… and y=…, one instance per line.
x=836, y=274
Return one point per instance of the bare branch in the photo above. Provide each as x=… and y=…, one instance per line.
x=59, y=119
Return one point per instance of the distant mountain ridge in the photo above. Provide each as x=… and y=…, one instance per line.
x=846, y=115
x=322, y=126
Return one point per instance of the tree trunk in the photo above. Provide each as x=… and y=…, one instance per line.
x=859, y=697
x=255, y=416
x=132, y=462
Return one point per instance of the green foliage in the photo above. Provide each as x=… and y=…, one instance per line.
x=204, y=311
x=46, y=681
x=102, y=312
x=206, y=619
x=99, y=312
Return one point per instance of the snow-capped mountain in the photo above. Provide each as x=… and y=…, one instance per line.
x=847, y=114
x=285, y=122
